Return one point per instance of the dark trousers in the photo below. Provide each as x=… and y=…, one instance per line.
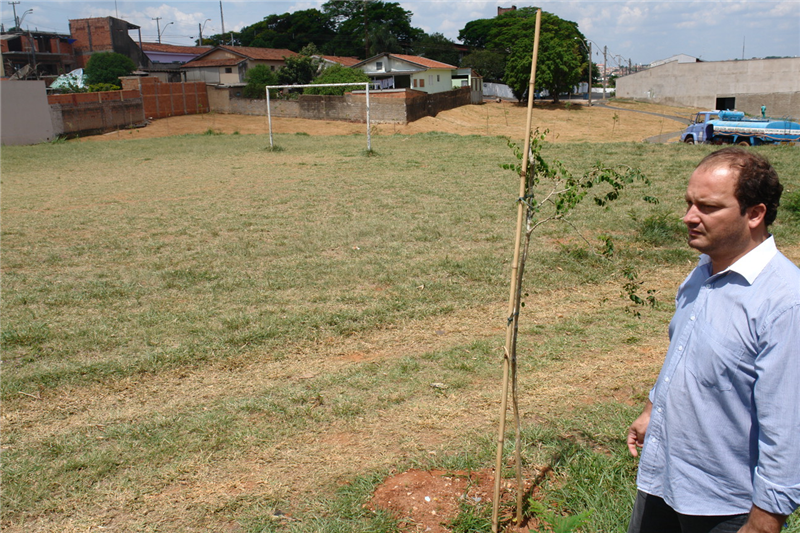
x=651, y=514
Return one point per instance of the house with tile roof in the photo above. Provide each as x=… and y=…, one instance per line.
x=400, y=71
x=171, y=54
x=338, y=60
x=227, y=65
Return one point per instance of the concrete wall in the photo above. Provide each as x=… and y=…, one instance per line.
x=393, y=106
x=753, y=83
x=24, y=113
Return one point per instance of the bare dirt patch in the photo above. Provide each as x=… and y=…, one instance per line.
x=429, y=500
x=567, y=123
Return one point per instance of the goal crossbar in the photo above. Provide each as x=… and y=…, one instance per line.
x=269, y=113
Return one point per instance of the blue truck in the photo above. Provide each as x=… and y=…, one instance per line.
x=732, y=127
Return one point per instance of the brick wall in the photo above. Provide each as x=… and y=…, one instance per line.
x=88, y=113
x=141, y=99
x=106, y=34
x=163, y=100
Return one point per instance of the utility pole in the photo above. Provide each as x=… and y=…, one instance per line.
x=605, y=67
x=14, y=7
x=158, y=28
x=201, y=27
x=222, y=20
x=590, y=73
x=366, y=36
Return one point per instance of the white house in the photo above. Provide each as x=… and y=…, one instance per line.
x=399, y=71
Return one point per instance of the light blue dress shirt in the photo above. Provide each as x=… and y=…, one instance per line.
x=724, y=431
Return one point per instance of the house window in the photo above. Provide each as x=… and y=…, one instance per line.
x=379, y=65
x=437, y=79
x=228, y=70
x=421, y=82
x=415, y=82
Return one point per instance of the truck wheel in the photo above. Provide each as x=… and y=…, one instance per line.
x=689, y=140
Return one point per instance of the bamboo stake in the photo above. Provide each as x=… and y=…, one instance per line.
x=513, y=309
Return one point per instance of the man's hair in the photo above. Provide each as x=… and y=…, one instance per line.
x=756, y=179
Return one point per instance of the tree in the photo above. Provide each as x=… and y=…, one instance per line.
x=437, y=47
x=298, y=70
x=561, y=58
x=289, y=30
x=108, y=67
x=257, y=79
x=490, y=65
x=558, y=67
x=476, y=33
x=355, y=20
x=337, y=74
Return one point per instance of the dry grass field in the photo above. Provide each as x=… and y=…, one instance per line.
x=201, y=334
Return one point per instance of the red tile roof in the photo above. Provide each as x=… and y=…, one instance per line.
x=343, y=60
x=265, y=54
x=229, y=62
x=171, y=48
x=424, y=61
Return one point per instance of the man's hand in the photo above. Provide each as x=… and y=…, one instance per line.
x=761, y=521
x=638, y=430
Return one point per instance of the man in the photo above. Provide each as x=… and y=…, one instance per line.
x=720, y=434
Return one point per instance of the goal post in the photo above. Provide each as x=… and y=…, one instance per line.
x=269, y=113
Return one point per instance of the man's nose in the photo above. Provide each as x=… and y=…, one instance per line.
x=691, y=216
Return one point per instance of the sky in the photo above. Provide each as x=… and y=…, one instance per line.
x=636, y=31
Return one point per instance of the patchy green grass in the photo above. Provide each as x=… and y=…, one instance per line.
x=198, y=331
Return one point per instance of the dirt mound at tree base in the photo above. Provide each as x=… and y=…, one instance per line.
x=431, y=500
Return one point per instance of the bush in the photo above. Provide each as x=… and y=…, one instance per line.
x=257, y=79
x=100, y=87
x=337, y=74
x=108, y=67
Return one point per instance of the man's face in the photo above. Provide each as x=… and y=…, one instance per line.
x=713, y=216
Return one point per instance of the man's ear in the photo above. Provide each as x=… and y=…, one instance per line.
x=755, y=215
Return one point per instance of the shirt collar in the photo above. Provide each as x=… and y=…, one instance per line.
x=752, y=263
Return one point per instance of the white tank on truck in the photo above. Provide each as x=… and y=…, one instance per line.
x=733, y=127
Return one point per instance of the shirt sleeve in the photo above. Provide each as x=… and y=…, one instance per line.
x=776, y=481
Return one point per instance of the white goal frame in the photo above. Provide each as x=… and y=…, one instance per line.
x=366, y=88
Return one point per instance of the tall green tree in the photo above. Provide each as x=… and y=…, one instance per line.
x=108, y=67
x=491, y=65
x=356, y=20
x=561, y=59
x=437, y=47
x=292, y=31
x=476, y=33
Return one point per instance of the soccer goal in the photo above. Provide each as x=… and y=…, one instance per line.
x=269, y=113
